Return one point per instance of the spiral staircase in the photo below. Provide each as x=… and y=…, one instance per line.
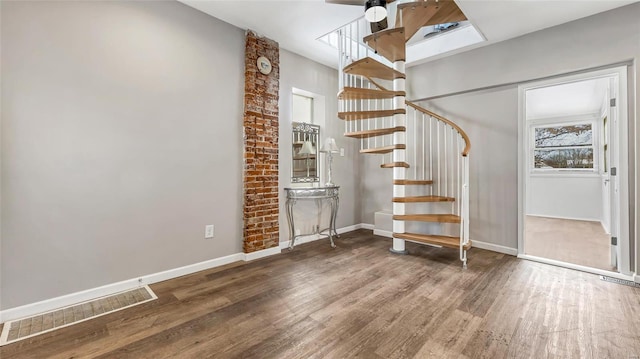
x=428, y=154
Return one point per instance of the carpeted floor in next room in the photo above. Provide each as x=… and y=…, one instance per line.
x=566, y=240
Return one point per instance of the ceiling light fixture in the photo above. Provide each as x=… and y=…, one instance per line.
x=375, y=10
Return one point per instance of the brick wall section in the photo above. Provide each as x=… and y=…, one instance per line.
x=261, y=209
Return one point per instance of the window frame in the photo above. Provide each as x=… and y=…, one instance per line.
x=311, y=99
x=595, y=139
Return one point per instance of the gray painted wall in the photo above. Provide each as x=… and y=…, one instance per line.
x=121, y=140
x=302, y=73
x=491, y=116
x=492, y=167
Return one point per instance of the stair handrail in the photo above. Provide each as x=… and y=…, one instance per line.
x=467, y=142
x=463, y=203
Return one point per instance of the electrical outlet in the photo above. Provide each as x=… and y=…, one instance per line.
x=208, y=231
x=342, y=152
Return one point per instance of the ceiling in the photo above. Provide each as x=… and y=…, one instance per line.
x=296, y=24
x=575, y=98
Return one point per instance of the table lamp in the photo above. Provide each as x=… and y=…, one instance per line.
x=330, y=148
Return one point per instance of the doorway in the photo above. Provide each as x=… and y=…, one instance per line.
x=573, y=188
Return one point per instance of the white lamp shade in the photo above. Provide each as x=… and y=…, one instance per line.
x=330, y=146
x=307, y=148
x=375, y=13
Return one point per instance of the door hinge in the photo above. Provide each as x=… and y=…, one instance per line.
x=614, y=241
x=614, y=171
x=612, y=102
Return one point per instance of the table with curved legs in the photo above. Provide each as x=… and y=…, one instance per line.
x=318, y=194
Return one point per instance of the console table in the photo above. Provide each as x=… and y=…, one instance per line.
x=318, y=194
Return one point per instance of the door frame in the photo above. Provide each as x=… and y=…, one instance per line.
x=624, y=268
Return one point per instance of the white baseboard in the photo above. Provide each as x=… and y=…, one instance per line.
x=495, y=248
x=570, y=218
x=636, y=278
x=113, y=288
x=315, y=237
x=477, y=244
x=354, y=227
x=380, y=232
x=302, y=239
x=261, y=254
x=367, y=226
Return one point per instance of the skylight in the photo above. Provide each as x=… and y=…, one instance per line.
x=429, y=42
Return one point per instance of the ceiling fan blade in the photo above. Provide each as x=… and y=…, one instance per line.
x=346, y=2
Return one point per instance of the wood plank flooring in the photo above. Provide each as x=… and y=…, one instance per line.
x=359, y=300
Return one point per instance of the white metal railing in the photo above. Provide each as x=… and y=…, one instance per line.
x=351, y=48
x=438, y=150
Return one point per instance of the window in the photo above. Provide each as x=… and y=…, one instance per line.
x=302, y=108
x=564, y=147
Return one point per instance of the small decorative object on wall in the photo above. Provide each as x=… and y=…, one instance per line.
x=330, y=148
x=264, y=65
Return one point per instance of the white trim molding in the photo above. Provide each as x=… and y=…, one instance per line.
x=620, y=90
x=474, y=244
x=383, y=233
x=494, y=247
x=315, y=237
x=113, y=288
x=247, y=257
x=578, y=267
x=367, y=226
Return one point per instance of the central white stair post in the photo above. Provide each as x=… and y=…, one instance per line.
x=399, y=155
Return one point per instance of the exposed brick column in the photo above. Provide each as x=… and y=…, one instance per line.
x=261, y=229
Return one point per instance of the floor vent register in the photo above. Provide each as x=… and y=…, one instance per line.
x=20, y=329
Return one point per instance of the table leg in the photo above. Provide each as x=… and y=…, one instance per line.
x=292, y=230
x=334, y=215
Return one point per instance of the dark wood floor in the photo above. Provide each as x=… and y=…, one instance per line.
x=359, y=300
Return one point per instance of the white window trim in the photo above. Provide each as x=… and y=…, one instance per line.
x=587, y=119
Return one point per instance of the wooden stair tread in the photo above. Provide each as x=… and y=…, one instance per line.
x=389, y=43
x=444, y=241
x=363, y=115
x=438, y=218
x=376, y=132
x=395, y=164
x=415, y=199
x=383, y=150
x=412, y=182
x=369, y=67
x=415, y=15
x=356, y=93
x=448, y=12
